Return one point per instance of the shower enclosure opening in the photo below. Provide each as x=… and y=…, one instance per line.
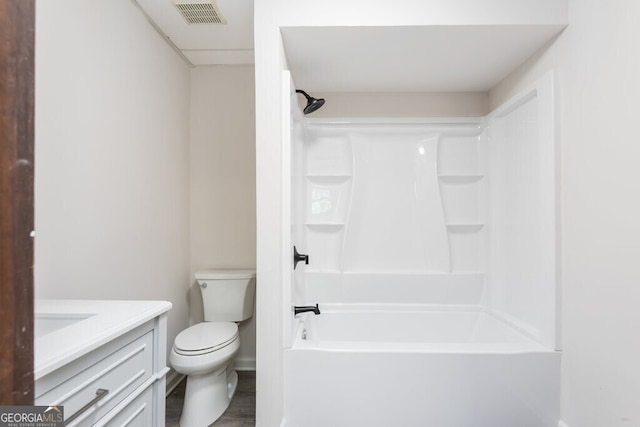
x=431, y=250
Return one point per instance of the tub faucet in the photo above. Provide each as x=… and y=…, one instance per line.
x=304, y=308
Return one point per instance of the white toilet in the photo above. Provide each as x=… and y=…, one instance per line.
x=204, y=352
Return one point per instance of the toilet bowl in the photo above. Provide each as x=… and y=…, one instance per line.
x=205, y=351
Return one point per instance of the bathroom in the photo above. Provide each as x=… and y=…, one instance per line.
x=146, y=167
x=140, y=209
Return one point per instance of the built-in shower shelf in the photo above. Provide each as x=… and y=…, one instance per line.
x=464, y=228
x=459, y=179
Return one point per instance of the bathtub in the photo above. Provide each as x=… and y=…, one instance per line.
x=422, y=367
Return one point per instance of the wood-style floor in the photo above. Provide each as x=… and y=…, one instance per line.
x=240, y=413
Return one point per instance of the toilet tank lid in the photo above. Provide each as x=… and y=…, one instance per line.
x=225, y=274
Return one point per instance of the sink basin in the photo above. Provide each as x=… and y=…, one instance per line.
x=65, y=330
x=48, y=323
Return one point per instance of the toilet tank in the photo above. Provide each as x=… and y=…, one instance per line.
x=227, y=295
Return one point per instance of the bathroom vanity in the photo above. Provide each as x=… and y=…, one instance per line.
x=104, y=361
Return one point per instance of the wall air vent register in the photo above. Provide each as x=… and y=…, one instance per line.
x=199, y=12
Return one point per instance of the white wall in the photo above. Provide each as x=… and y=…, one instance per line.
x=401, y=104
x=269, y=211
x=222, y=171
x=111, y=181
x=597, y=74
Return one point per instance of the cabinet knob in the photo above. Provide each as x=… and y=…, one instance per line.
x=100, y=394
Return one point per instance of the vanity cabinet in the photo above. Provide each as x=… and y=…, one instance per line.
x=120, y=382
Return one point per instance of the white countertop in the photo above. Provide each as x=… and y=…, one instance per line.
x=68, y=329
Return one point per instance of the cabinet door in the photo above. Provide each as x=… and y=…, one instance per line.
x=120, y=373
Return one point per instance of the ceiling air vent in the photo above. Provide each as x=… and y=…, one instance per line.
x=199, y=12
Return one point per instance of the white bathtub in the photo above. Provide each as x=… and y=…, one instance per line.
x=406, y=367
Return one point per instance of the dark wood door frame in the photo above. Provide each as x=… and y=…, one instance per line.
x=17, y=28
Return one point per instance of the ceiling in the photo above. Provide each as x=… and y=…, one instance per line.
x=445, y=58
x=410, y=58
x=206, y=44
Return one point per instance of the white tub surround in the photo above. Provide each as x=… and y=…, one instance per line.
x=109, y=353
x=445, y=211
x=432, y=250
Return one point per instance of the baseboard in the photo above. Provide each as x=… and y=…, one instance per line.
x=173, y=379
x=245, y=364
x=562, y=424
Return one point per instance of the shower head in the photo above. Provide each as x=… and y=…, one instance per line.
x=312, y=103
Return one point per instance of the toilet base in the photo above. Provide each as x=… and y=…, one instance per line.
x=207, y=397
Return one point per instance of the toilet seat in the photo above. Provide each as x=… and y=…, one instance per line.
x=205, y=337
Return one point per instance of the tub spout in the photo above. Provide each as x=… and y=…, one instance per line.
x=304, y=308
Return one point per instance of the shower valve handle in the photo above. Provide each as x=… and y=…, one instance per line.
x=297, y=257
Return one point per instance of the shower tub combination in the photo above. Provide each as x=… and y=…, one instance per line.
x=432, y=257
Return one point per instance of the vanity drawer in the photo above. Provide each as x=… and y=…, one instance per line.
x=119, y=370
x=138, y=413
